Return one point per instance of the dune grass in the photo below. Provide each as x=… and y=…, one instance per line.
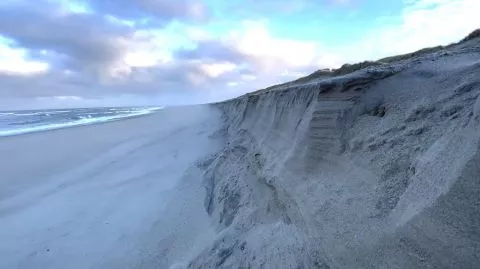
x=350, y=68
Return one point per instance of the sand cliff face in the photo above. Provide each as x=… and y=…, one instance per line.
x=379, y=168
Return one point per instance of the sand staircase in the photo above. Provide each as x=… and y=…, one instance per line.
x=326, y=130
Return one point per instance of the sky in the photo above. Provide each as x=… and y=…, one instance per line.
x=79, y=53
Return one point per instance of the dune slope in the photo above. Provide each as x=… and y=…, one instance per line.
x=378, y=168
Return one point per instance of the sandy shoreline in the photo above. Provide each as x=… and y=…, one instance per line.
x=92, y=196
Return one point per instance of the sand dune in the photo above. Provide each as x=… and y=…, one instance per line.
x=378, y=168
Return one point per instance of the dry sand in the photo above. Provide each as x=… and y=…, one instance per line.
x=95, y=196
x=379, y=168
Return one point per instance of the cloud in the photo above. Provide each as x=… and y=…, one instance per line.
x=210, y=50
x=98, y=52
x=158, y=11
x=87, y=42
x=254, y=7
x=249, y=57
x=86, y=54
x=216, y=69
x=12, y=61
x=422, y=23
x=254, y=40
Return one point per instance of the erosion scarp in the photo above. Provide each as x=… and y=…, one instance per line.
x=378, y=168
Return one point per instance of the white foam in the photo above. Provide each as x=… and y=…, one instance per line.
x=29, y=114
x=82, y=121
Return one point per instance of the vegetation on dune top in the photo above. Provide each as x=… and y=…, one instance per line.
x=472, y=35
x=350, y=68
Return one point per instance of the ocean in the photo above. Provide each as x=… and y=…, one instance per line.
x=27, y=121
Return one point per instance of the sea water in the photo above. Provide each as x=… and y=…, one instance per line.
x=27, y=121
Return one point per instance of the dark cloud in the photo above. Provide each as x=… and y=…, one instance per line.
x=258, y=9
x=158, y=11
x=211, y=50
x=43, y=85
x=86, y=40
x=217, y=51
x=185, y=77
x=179, y=75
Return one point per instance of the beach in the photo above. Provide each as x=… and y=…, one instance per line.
x=374, y=166
x=96, y=196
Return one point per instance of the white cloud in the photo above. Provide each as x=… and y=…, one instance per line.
x=255, y=40
x=14, y=61
x=423, y=23
x=216, y=69
x=145, y=48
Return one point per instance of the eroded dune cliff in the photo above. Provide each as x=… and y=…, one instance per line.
x=379, y=168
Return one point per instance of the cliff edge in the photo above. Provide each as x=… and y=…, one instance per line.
x=377, y=168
